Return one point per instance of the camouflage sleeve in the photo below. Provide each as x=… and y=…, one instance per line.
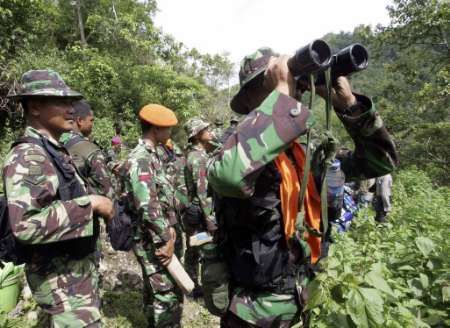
x=36, y=216
x=100, y=175
x=265, y=133
x=181, y=192
x=375, y=152
x=145, y=193
x=200, y=177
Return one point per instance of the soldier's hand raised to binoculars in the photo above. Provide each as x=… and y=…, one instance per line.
x=342, y=96
x=278, y=77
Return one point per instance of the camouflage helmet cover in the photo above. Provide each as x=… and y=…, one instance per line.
x=194, y=126
x=43, y=83
x=252, y=66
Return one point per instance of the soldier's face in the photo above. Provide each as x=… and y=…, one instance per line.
x=86, y=124
x=205, y=135
x=162, y=134
x=54, y=114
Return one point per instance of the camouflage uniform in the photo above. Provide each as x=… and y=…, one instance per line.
x=238, y=173
x=151, y=194
x=229, y=131
x=199, y=197
x=63, y=285
x=174, y=161
x=218, y=130
x=97, y=173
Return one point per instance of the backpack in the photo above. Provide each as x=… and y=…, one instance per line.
x=80, y=150
x=122, y=227
x=11, y=250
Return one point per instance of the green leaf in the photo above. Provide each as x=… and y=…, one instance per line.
x=424, y=280
x=356, y=309
x=373, y=306
x=413, y=303
x=416, y=287
x=425, y=245
x=445, y=294
x=375, y=279
x=406, y=268
x=316, y=294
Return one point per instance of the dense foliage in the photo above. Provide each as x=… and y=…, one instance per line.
x=112, y=53
x=376, y=276
x=394, y=275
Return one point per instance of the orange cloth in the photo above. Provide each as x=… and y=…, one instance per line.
x=289, y=191
x=169, y=144
x=158, y=115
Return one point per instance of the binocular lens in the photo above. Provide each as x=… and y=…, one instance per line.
x=359, y=56
x=320, y=52
x=310, y=58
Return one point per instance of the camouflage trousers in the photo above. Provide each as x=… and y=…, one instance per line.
x=263, y=309
x=67, y=290
x=192, y=254
x=162, y=298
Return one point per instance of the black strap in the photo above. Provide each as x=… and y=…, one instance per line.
x=65, y=174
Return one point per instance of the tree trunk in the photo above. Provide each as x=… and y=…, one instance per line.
x=80, y=23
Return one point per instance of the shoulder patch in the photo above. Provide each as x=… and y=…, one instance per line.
x=35, y=170
x=34, y=157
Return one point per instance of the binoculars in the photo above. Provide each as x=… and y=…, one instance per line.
x=316, y=57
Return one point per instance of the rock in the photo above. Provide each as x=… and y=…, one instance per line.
x=118, y=270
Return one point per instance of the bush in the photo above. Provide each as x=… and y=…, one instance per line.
x=393, y=275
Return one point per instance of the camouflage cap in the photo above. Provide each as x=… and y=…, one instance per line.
x=252, y=66
x=194, y=126
x=43, y=83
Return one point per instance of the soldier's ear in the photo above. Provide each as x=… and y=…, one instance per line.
x=33, y=108
x=78, y=121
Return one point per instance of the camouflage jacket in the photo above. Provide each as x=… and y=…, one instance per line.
x=150, y=192
x=197, y=184
x=218, y=133
x=175, y=162
x=280, y=119
x=31, y=183
x=258, y=140
x=97, y=173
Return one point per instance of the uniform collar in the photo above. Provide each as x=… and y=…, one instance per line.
x=34, y=133
x=65, y=137
x=196, y=147
x=147, y=146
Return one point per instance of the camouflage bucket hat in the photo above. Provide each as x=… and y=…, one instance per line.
x=44, y=83
x=194, y=126
x=252, y=68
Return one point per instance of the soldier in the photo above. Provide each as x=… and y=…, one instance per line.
x=218, y=129
x=257, y=176
x=50, y=211
x=87, y=156
x=234, y=121
x=173, y=158
x=199, y=216
x=150, y=193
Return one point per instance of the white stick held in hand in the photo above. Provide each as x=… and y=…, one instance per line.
x=178, y=273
